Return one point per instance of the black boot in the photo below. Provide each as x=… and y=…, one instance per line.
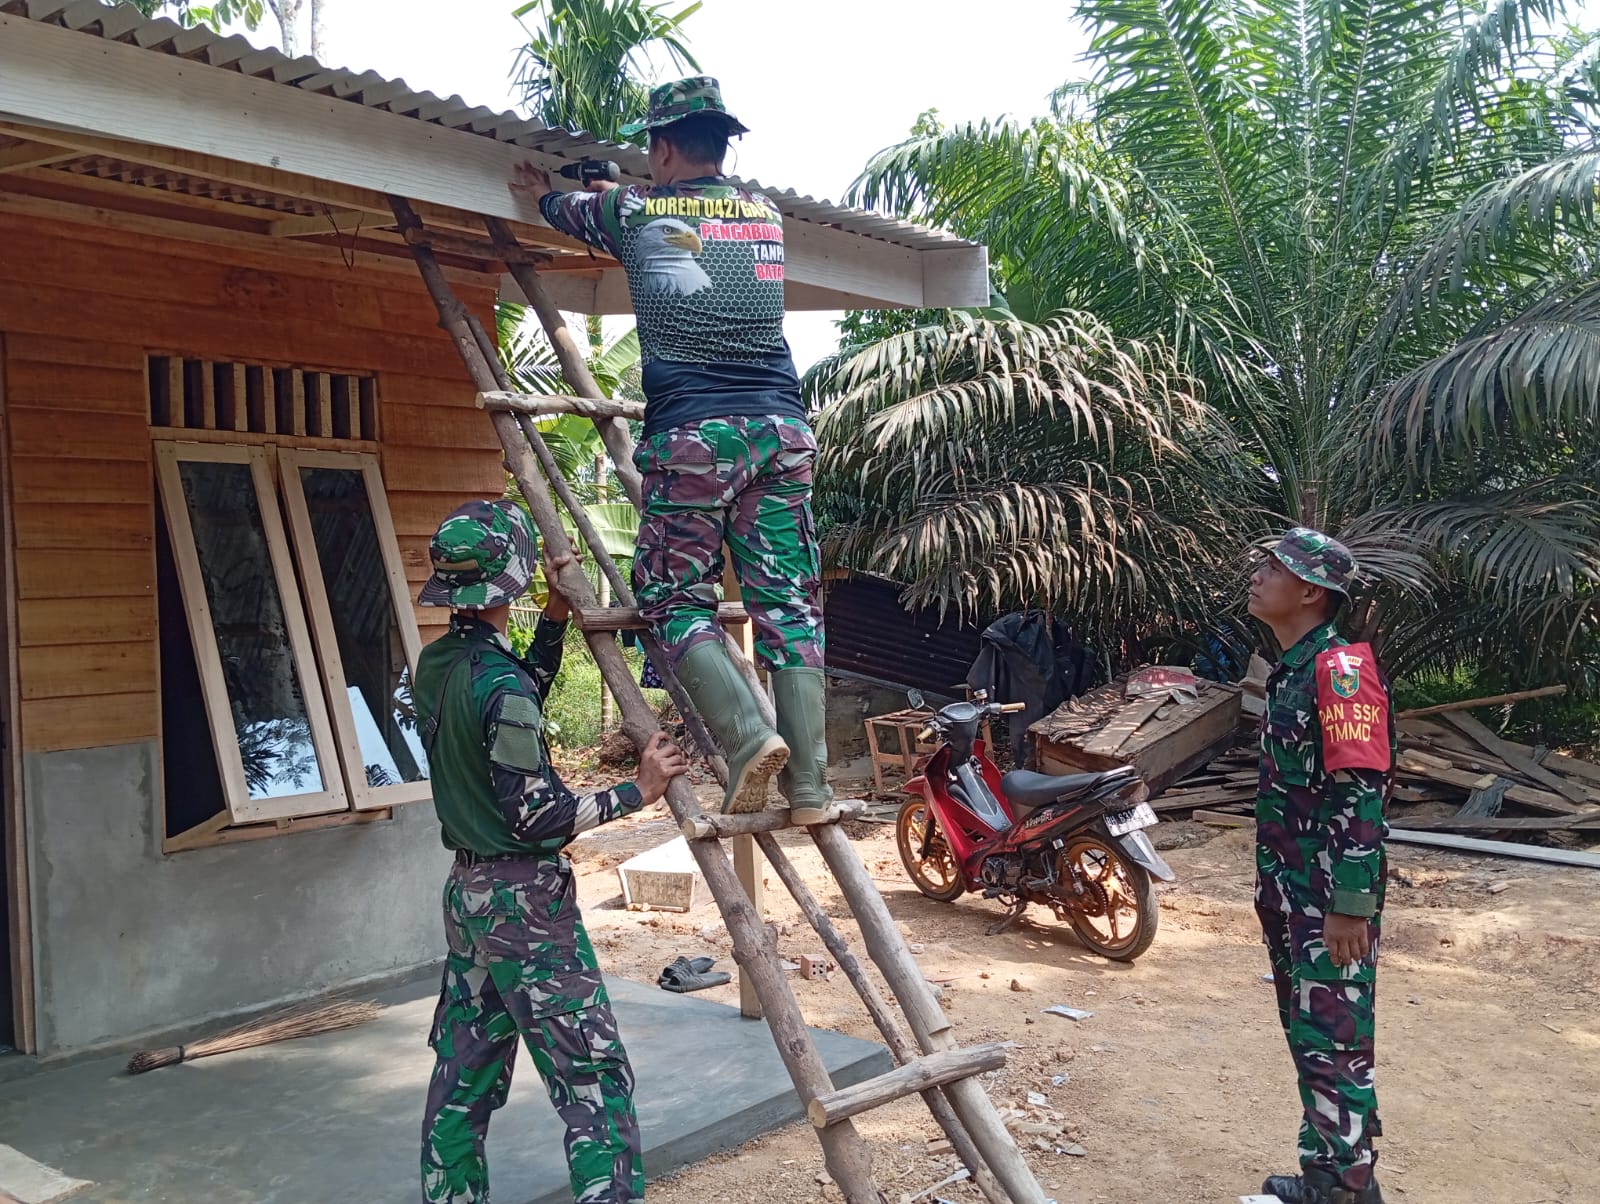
x=1317, y=1186
x=1313, y=1186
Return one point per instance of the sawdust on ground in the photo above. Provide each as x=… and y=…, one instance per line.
x=1180, y=1088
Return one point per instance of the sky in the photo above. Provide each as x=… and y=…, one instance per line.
x=822, y=85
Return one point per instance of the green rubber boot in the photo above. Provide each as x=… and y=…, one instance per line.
x=754, y=751
x=800, y=698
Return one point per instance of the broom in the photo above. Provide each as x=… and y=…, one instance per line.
x=280, y=1026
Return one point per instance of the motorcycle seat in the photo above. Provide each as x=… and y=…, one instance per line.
x=1024, y=788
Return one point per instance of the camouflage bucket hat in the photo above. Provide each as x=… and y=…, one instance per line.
x=483, y=555
x=684, y=98
x=1316, y=558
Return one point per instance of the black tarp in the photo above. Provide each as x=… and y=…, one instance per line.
x=1031, y=658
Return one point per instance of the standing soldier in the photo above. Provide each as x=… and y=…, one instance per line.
x=520, y=961
x=1327, y=747
x=726, y=453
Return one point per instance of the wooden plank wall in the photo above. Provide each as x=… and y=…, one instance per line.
x=78, y=312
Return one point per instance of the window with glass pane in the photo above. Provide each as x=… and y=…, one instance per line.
x=372, y=653
x=263, y=699
x=361, y=617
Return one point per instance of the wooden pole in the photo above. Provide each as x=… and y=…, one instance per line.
x=744, y=848
x=845, y=1153
x=606, y=716
x=613, y=431
x=844, y=957
x=1467, y=704
x=923, y=1013
x=912, y=1078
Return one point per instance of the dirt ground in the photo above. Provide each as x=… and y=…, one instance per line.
x=1179, y=1088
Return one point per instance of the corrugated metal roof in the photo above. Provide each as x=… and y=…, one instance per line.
x=126, y=24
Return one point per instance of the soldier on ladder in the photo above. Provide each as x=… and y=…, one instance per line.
x=726, y=453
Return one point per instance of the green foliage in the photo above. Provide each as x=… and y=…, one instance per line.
x=217, y=16
x=586, y=65
x=1367, y=233
x=572, y=711
x=994, y=464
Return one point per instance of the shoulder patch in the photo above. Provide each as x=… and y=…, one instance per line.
x=1353, y=709
x=518, y=742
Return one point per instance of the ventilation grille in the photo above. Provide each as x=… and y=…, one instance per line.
x=206, y=395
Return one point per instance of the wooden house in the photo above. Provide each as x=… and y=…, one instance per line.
x=228, y=424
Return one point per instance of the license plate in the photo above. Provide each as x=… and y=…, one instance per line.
x=1120, y=823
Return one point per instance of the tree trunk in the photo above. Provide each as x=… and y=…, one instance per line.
x=318, y=8
x=288, y=14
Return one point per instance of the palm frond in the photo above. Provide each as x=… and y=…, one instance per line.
x=1536, y=377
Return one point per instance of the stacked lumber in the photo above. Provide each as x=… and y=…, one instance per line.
x=1164, y=722
x=1452, y=774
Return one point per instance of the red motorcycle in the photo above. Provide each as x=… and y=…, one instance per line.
x=1075, y=844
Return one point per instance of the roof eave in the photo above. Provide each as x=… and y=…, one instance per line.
x=56, y=77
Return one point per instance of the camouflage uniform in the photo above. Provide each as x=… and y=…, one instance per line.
x=726, y=452
x=1319, y=849
x=520, y=963
x=746, y=482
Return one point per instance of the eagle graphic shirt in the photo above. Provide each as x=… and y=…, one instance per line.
x=704, y=262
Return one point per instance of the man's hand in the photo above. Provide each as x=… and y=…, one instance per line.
x=661, y=761
x=1346, y=937
x=556, y=607
x=530, y=182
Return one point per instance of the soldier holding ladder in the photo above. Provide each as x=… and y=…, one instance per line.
x=520, y=963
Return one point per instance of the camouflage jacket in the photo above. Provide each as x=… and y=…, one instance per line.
x=494, y=789
x=1320, y=832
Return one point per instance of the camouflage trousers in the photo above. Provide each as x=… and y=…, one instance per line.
x=1328, y=1015
x=746, y=482
x=521, y=965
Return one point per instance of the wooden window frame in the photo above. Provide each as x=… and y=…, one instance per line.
x=290, y=460
x=240, y=807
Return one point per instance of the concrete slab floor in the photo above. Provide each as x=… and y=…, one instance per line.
x=337, y=1117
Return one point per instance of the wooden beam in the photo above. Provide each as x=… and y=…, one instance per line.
x=912, y=1078
x=33, y=154
x=1424, y=766
x=64, y=80
x=265, y=179
x=340, y=221
x=1514, y=757
x=109, y=218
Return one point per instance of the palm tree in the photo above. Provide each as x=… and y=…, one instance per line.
x=587, y=66
x=1366, y=230
x=993, y=463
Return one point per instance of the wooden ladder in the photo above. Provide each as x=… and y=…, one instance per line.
x=932, y=1064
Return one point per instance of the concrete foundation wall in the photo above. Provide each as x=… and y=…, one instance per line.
x=128, y=941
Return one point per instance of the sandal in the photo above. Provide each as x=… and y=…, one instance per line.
x=687, y=974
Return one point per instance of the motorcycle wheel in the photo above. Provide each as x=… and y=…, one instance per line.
x=937, y=875
x=1121, y=920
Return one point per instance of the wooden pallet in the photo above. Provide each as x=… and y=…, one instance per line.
x=930, y=1063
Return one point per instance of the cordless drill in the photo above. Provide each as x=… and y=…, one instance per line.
x=587, y=171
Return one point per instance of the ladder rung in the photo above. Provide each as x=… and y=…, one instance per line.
x=540, y=404
x=716, y=827
x=930, y=1070
x=626, y=618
